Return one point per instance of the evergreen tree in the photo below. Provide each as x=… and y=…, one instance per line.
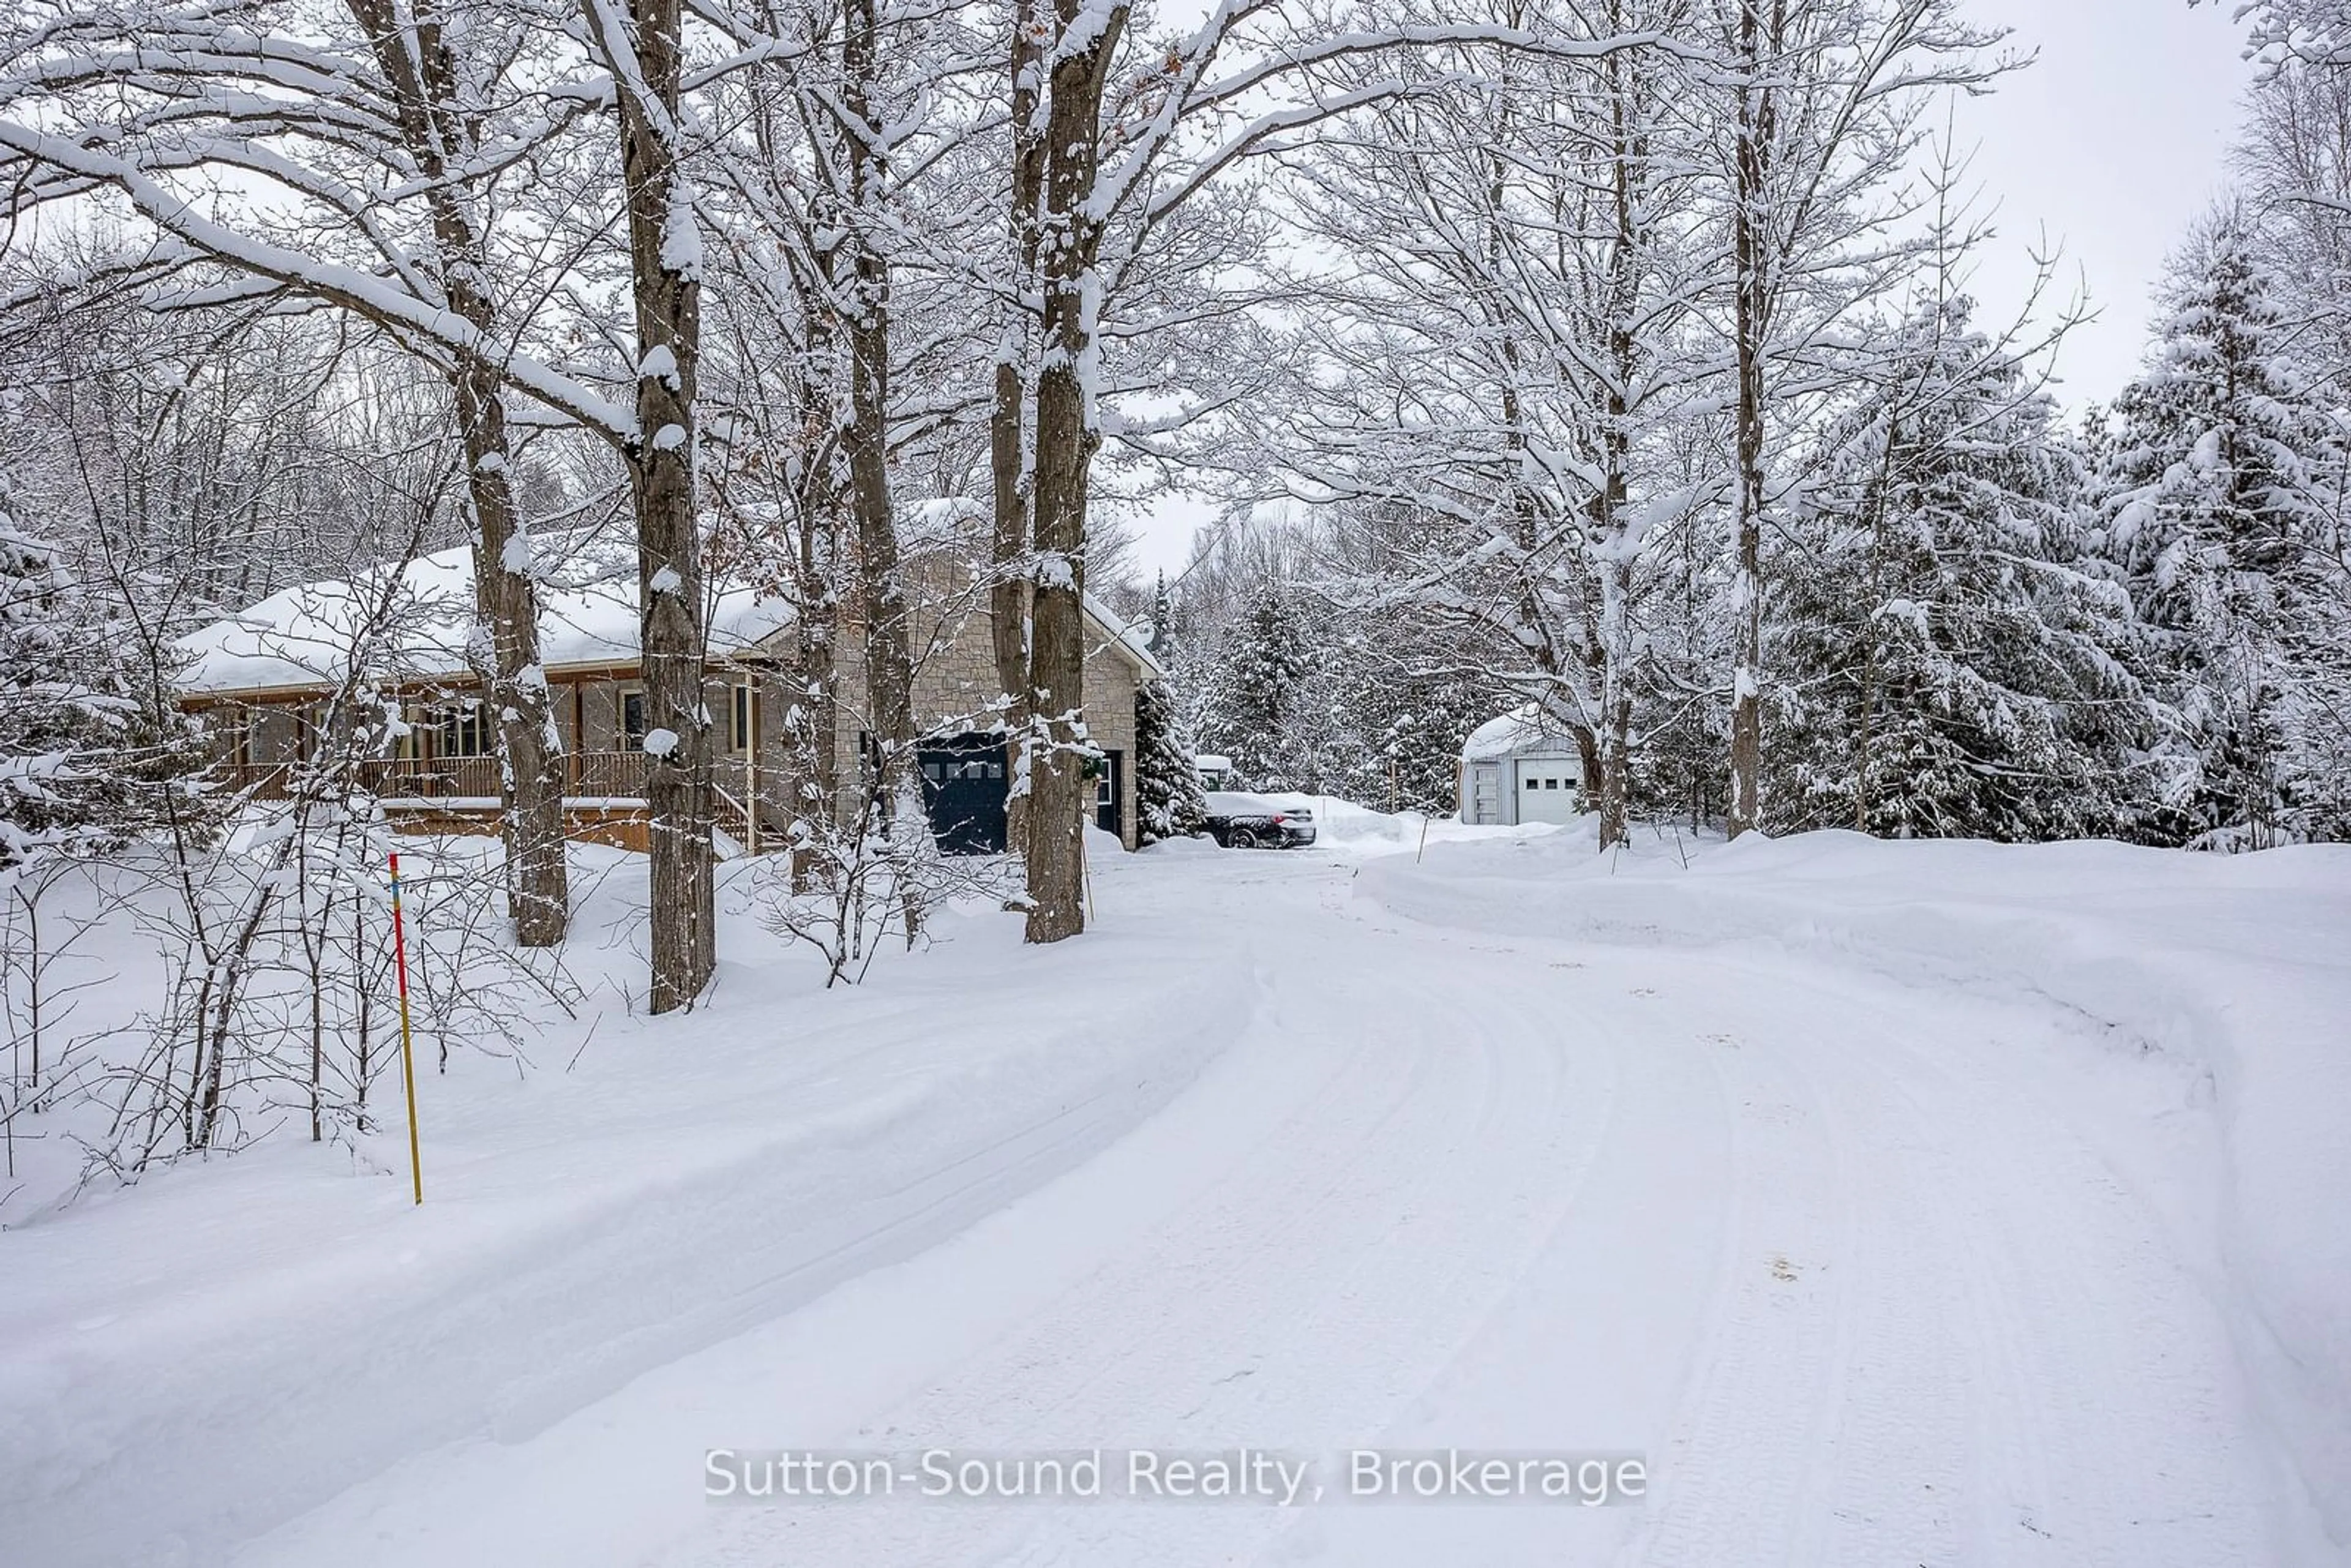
x=1169, y=803
x=1947, y=659
x=62, y=724
x=1163, y=619
x=1261, y=712
x=1401, y=717
x=2215, y=512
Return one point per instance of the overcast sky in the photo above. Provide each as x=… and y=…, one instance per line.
x=2109, y=144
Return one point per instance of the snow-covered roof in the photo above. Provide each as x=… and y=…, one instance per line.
x=1516, y=732
x=303, y=636
x=1134, y=636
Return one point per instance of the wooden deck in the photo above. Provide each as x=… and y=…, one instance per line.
x=604, y=793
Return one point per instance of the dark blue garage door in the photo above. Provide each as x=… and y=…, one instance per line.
x=963, y=788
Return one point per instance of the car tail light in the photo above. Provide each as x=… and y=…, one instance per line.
x=1278, y=819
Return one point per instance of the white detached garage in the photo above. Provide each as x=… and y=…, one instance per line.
x=1522, y=768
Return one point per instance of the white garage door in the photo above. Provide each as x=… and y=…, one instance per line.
x=1547, y=788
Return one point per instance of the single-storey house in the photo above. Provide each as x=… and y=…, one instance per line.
x=1522, y=768
x=260, y=677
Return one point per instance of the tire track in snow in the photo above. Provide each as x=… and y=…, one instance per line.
x=1285, y=1322
x=2068, y=1411
x=2113, y=1374
x=1728, y=1486
x=1999, y=1359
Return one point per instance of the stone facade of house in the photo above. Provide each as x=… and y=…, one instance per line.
x=956, y=687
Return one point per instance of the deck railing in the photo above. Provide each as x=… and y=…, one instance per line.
x=591, y=776
x=398, y=778
x=607, y=775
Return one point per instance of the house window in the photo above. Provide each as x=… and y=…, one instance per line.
x=632, y=718
x=466, y=731
x=738, y=727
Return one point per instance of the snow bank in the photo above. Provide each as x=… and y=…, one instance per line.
x=188, y=1363
x=2238, y=967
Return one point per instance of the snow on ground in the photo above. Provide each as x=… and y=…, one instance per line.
x=202, y=1356
x=1933, y=1203
x=2219, y=985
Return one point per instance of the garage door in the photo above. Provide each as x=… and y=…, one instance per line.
x=1547, y=788
x=964, y=788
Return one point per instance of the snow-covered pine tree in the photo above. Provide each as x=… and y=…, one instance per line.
x=1163, y=619
x=62, y=722
x=1402, y=703
x=1261, y=712
x=1947, y=661
x=1417, y=752
x=2215, y=508
x=1168, y=800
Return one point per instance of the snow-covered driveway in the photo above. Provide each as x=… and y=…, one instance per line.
x=1827, y=1249
x=1932, y=1204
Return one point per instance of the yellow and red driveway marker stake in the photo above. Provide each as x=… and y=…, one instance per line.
x=407, y=1050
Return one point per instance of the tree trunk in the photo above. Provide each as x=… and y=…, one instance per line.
x=506, y=596
x=429, y=91
x=1065, y=447
x=1008, y=605
x=1615, y=708
x=889, y=662
x=1066, y=437
x=1864, y=746
x=1616, y=774
x=1751, y=324
x=1614, y=501
x=1057, y=661
x=664, y=250
x=1008, y=594
x=813, y=718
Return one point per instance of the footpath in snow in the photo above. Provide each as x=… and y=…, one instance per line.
x=1933, y=1203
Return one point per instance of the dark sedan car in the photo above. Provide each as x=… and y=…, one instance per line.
x=1241, y=821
